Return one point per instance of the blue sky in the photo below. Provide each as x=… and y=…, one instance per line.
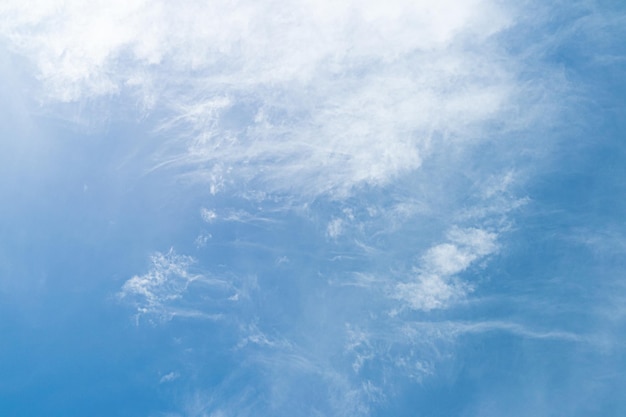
x=317, y=208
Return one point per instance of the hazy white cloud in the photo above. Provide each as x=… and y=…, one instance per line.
x=202, y=239
x=237, y=216
x=431, y=291
x=167, y=280
x=309, y=98
x=435, y=284
x=161, y=291
x=207, y=215
x=251, y=334
x=334, y=228
x=169, y=377
x=454, y=329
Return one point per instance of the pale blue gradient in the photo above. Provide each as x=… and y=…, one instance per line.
x=349, y=226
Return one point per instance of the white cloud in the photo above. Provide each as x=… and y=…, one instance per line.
x=253, y=335
x=309, y=98
x=169, y=377
x=207, y=215
x=430, y=292
x=467, y=245
x=202, y=239
x=334, y=228
x=167, y=279
x=458, y=328
x=435, y=285
x=160, y=292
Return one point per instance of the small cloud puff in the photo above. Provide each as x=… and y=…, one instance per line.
x=334, y=228
x=436, y=284
x=169, y=377
x=207, y=215
x=164, y=291
x=202, y=239
x=166, y=281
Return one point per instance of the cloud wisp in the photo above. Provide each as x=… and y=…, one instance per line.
x=162, y=292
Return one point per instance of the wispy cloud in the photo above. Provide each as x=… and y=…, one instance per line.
x=307, y=99
x=453, y=329
x=161, y=291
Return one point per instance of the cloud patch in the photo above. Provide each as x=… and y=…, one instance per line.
x=436, y=285
x=160, y=293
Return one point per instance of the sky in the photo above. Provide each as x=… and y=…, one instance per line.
x=314, y=208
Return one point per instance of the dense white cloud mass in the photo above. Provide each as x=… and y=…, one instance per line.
x=360, y=163
x=305, y=98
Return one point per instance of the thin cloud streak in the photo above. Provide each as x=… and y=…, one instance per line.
x=461, y=328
